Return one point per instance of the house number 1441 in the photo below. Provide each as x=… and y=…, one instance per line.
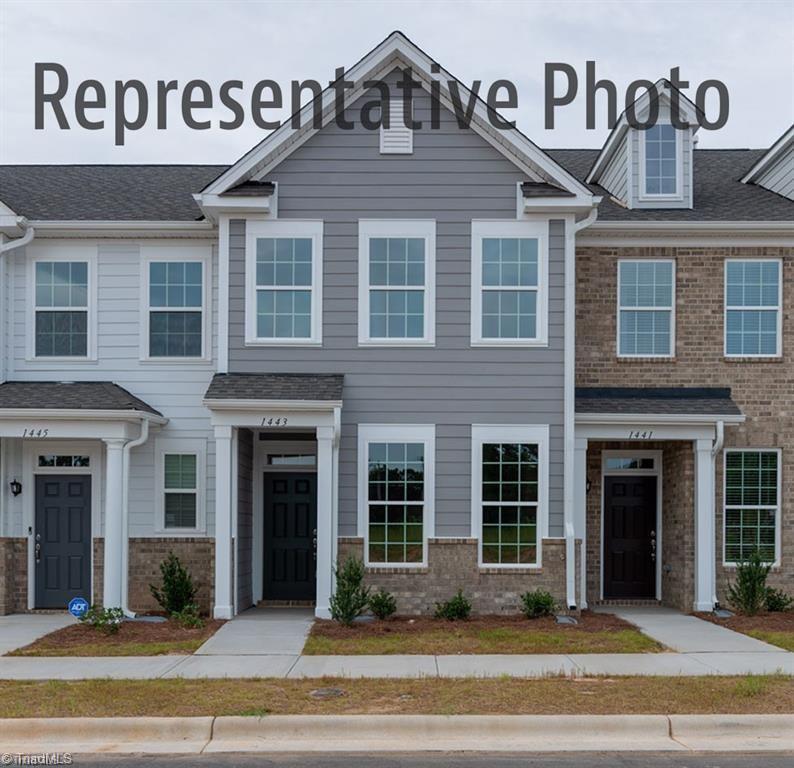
x=645, y=434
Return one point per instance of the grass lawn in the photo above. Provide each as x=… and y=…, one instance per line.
x=629, y=695
x=134, y=638
x=773, y=628
x=595, y=633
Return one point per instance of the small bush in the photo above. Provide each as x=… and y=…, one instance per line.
x=351, y=597
x=538, y=603
x=382, y=604
x=777, y=600
x=178, y=590
x=189, y=617
x=748, y=593
x=456, y=609
x=106, y=620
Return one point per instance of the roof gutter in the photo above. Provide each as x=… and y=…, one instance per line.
x=20, y=242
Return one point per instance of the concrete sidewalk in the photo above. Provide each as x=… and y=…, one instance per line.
x=261, y=632
x=20, y=629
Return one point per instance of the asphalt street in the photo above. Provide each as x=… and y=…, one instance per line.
x=501, y=760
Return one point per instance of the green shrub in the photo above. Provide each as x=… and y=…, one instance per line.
x=382, y=604
x=106, y=620
x=777, y=600
x=351, y=597
x=458, y=608
x=178, y=590
x=538, y=603
x=189, y=617
x=748, y=593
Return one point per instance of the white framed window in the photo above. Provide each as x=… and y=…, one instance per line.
x=661, y=162
x=753, y=302
x=62, y=301
x=180, y=467
x=751, y=504
x=509, y=493
x=397, y=282
x=396, y=492
x=646, y=308
x=509, y=283
x=175, y=304
x=284, y=273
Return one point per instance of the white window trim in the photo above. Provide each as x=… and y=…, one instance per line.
x=528, y=229
x=510, y=433
x=397, y=433
x=778, y=508
x=284, y=228
x=644, y=196
x=670, y=309
x=170, y=445
x=150, y=254
x=415, y=228
x=88, y=254
x=778, y=309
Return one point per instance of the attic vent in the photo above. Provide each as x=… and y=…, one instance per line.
x=396, y=139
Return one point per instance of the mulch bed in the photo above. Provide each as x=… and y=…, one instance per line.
x=767, y=622
x=588, y=622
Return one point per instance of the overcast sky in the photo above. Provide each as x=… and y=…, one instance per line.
x=747, y=45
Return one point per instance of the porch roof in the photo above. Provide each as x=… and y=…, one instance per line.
x=70, y=396
x=668, y=401
x=292, y=387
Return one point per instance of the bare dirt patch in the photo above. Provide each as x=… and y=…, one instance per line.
x=134, y=638
x=595, y=633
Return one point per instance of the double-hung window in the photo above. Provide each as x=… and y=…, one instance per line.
x=284, y=282
x=396, y=282
x=180, y=479
x=396, y=492
x=509, y=493
x=509, y=283
x=752, y=505
x=753, y=300
x=661, y=175
x=646, y=315
x=62, y=324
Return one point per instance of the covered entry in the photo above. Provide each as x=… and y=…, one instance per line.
x=277, y=458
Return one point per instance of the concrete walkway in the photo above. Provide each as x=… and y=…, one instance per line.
x=21, y=629
x=261, y=632
x=688, y=634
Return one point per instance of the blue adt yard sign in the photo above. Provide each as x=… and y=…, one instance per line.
x=78, y=606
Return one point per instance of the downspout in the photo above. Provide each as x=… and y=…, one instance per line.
x=125, y=515
x=30, y=233
x=20, y=242
x=569, y=393
x=715, y=449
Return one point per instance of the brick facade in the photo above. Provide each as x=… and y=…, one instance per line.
x=452, y=565
x=13, y=575
x=763, y=388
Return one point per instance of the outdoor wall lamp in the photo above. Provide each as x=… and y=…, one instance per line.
x=16, y=487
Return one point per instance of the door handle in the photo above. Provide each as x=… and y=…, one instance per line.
x=314, y=544
x=37, y=550
x=653, y=546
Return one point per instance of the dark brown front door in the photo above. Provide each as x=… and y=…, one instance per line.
x=290, y=525
x=629, y=537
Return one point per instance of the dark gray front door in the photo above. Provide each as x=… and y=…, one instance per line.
x=629, y=537
x=62, y=539
x=290, y=523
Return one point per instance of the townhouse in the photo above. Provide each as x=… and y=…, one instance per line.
x=472, y=363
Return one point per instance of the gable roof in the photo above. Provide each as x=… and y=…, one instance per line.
x=662, y=88
x=276, y=386
x=396, y=51
x=776, y=151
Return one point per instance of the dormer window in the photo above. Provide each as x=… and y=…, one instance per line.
x=660, y=166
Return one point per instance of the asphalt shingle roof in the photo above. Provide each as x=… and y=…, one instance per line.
x=276, y=386
x=78, y=395
x=711, y=401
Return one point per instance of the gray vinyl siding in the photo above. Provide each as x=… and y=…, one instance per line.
x=453, y=176
x=245, y=518
x=780, y=176
x=615, y=178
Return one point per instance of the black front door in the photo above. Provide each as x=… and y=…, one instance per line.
x=62, y=539
x=290, y=529
x=629, y=537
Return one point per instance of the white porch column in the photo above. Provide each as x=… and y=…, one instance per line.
x=114, y=479
x=325, y=527
x=580, y=512
x=705, y=562
x=223, y=524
